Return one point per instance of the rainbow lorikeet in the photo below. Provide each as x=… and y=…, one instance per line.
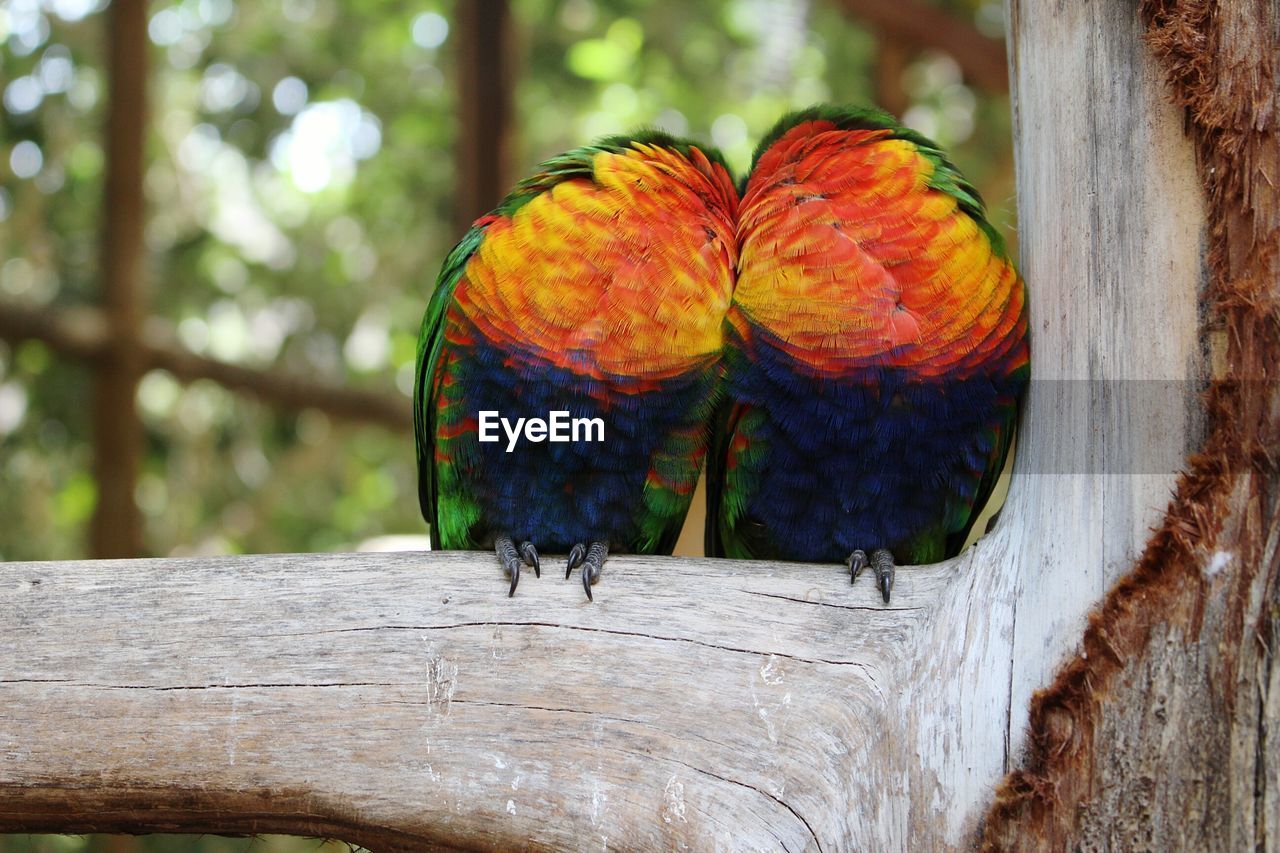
x=876, y=352
x=591, y=300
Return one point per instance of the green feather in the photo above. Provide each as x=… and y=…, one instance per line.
x=425, y=387
x=580, y=163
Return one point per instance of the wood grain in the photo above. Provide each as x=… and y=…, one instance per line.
x=401, y=699
x=1112, y=236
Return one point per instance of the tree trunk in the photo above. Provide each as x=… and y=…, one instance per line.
x=1160, y=734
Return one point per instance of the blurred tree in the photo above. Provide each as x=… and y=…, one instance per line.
x=306, y=166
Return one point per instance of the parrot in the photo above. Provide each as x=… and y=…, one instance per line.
x=595, y=292
x=876, y=352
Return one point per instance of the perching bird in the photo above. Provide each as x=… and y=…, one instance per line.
x=876, y=354
x=597, y=288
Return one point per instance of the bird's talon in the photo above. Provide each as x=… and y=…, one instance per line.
x=529, y=554
x=857, y=562
x=592, y=561
x=577, y=554
x=882, y=565
x=510, y=561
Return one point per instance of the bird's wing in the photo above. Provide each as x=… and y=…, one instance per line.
x=429, y=373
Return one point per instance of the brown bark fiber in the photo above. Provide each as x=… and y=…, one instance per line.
x=1114, y=758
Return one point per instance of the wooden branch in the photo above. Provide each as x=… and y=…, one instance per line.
x=73, y=330
x=922, y=24
x=402, y=700
x=275, y=388
x=116, y=527
x=83, y=333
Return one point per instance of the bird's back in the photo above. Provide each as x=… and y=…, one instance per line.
x=877, y=348
x=597, y=290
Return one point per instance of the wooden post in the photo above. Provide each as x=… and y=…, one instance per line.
x=892, y=59
x=485, y=80
x=116, y=527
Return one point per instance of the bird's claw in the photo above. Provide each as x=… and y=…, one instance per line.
x=857, y=562
x=577, y=554
x=512, y=559
x=529, y=554
x=881, y=563
x=591, y=558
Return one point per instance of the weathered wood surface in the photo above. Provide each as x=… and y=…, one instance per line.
x=401, y=699
x=1111, y=230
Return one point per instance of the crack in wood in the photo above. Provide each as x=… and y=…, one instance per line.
x=870, y=608
x=612, y=631
x=246, y=686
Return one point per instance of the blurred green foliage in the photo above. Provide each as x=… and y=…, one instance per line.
x=299, y=176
